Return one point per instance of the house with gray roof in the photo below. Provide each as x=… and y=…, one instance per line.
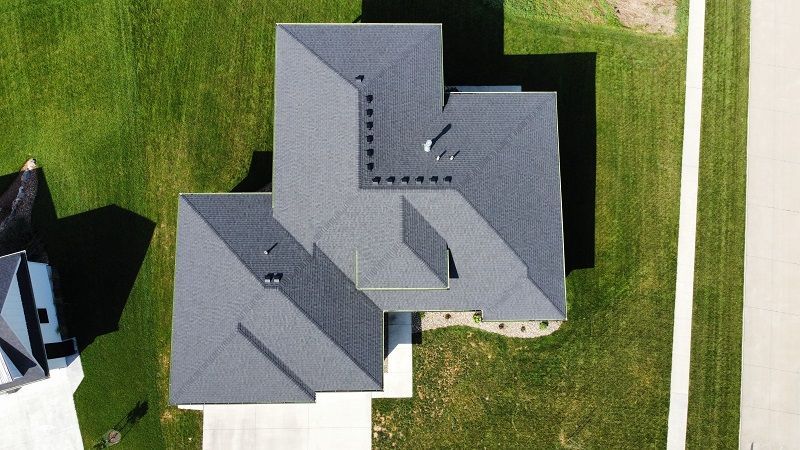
x=389, y=193
x=31, y=345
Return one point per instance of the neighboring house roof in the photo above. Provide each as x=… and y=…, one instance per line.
x=351, y=230
x=22, y=354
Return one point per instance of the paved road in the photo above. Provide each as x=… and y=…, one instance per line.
x=770, y=414
x=684, y=289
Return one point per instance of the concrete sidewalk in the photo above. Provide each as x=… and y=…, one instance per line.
x=770, y=402
x=687, y=226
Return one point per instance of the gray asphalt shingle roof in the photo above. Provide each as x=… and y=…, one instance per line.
x=349, y=230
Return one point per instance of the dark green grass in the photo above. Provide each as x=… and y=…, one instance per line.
x=130, y=103
x=719, y=268
x=602, y=380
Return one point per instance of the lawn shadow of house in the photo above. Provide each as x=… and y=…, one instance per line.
x=96, y=255
x=473, y=55
x=259, y=175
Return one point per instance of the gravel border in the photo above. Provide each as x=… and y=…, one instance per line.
x=527, y=329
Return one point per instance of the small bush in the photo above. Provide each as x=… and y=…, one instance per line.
x=477, y=318
x=447, y=316
x=522, y=328
x=543, y=325
x=501, y=326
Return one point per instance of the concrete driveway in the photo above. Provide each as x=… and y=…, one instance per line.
x=42, y=415
x=340, y=420
x=770, y=407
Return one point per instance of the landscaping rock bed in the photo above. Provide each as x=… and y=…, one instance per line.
x=524, y=329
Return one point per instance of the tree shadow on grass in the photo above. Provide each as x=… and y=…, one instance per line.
x=473, y=54
x=96, y=254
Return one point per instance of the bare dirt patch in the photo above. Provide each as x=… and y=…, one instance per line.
x=651, y=16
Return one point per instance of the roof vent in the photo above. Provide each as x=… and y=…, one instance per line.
x=370, y=166
x=439, y=156
x=419, y=179
x=376, y=180
x=454, y=155
x=370, y=138
x=404, y=180
x=268, y=279
x=267, y=251
x=360, y=78
x=434, y=180
x=427, y=145
x=369, y=125
x=369, y=112
x=390, y=180
x=370, y=151
x=369, y=98
x=277, y=278
x=448, y=179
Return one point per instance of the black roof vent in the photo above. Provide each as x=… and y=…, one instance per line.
x=370, y=151
x=369, y=98
x=360, y=78
x=369, y=125
x=448, y=179
x=434, y=180
x=369, y=112
x=370, y=166
x=404, y=180
x=390, y=180
x=370, y=138
x=419, y=179
x=376, y=180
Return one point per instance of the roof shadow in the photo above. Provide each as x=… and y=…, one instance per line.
x=473, y=54
x=97, y=255
x=259, y=175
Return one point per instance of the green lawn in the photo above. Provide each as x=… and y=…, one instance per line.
x=602, y=381
x=719, y=268
x=131, y=102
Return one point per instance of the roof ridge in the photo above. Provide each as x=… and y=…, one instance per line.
x=281, y=287
x=5, y=288
x=214, y=355
x=509, y=247
x=407, y=203
x=18, y=345
x=526, y=120
x=325, y=332
x=319, y=58
x=382, y=262
x=277, y=361
x=402, y=55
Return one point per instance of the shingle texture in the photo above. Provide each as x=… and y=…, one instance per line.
x=280, y=296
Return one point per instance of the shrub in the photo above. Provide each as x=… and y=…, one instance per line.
x=522, y=328
x=543, y=325
x=477, y=318
x=447, y=316
x=501, y=326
